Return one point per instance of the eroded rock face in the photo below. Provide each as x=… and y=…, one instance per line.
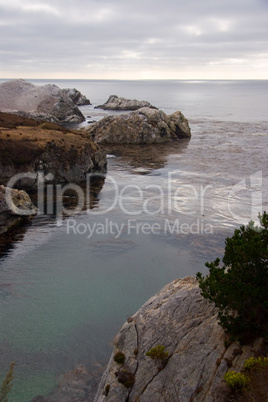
x=44, y=103
x=116, y=103
x=144, y=126
x=180, y=319
x=66, y=155
x=15, y=205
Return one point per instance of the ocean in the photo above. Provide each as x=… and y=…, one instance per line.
x=162, y=211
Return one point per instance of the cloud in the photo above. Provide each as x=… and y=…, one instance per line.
x=115, y=38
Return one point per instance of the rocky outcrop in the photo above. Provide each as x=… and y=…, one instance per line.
x=116, y=103
x=15, y=206
x=180, y=319
x=76, y=96
x=144, y=126
x=44, y=103
x=66, y=155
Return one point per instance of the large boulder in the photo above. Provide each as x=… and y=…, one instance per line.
x=76, y=96
x=66, y=155
x=144, y=126
x=117, y=103
x=180, y=319
x=15, y=206
x=45, y=103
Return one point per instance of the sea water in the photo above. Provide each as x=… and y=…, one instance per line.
x=67, y=285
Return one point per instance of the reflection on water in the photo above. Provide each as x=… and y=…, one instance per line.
x=145, y=158
x=66, y=289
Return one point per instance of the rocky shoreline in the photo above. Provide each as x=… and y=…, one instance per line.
x=67, y=156
x=32, y=141
x=29, y=148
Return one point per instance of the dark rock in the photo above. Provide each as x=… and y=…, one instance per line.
x=76, y=96
x=116, y=103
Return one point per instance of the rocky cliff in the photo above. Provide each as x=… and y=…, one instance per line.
x=30, y=147
x=180, y=319
x=44, y=103
x=117, y=103
x=144, y=126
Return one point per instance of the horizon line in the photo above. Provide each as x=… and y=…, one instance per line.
x=136, y=79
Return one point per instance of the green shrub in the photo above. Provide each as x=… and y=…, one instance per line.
x=256, y=361
x=239, y=287
x=157, y=353
x=119, y=357
x=7, y=384
x=236, y=380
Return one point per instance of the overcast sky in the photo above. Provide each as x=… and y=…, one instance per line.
x=141, y=39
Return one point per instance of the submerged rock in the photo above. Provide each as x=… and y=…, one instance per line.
x=116, y=103
x=144, y=126
x=44, y=103
x=182, y=321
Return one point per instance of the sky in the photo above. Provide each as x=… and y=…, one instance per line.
x=141, y=39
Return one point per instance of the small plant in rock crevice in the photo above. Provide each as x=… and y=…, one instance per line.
x=125, y=377
x=255, y=361
x=119, y=358
x=236, y=381
x=158, y=353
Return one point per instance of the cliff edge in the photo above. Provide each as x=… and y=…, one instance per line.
x=180, y=319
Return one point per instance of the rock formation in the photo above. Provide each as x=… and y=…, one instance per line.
x=116, y=103
x=68, y=156
x=76, y=96
x=144, y=126
x=44, y=103
x=15, y=206
x=180, y=319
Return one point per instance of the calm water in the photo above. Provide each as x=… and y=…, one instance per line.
x=67, y=287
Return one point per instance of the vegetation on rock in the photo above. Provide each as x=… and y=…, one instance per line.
x=157, y=352
x=239, y=287
x=236, y=380
x=256, y=361
x=119, y=357
x=126, y=378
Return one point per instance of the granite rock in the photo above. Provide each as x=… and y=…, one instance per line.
x=144, y=126
x=180, y=319
x=44, y=103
